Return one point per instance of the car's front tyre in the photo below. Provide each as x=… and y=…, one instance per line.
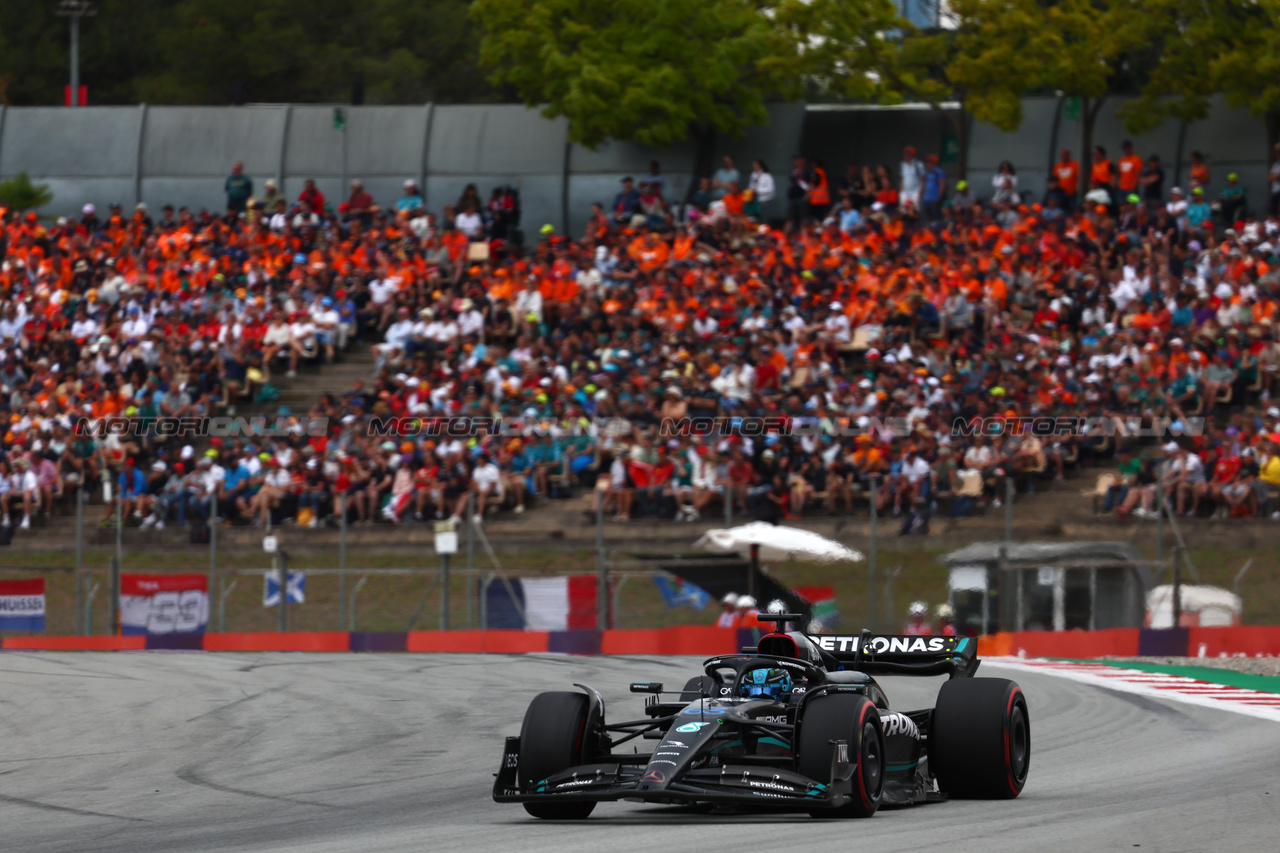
x=855, y=720
x=553, y=738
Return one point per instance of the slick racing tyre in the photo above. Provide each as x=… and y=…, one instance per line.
x=553, y=738
x=980, y=739
x=854, y=720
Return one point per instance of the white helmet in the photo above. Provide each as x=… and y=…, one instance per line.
x=918, y=608
x=746, y=602
x=730, y=598
x=777, y=606
x=945, y=611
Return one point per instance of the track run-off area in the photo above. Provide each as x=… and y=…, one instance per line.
x=366, y=752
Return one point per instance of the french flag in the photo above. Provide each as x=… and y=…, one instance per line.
x=22, y=605
x=547, y=604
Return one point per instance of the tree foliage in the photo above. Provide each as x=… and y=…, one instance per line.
x=195, y=51
x=19, y=193
x=1227, y=46
x=652, y=71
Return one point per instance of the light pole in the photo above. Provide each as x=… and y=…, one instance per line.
x=75, y=10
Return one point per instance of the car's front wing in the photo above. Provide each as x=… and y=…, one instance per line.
x=616, y=780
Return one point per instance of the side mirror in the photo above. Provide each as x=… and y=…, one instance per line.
x=646, y=687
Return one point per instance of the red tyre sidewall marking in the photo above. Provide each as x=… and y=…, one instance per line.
x=862, y=780
x=1008, y=754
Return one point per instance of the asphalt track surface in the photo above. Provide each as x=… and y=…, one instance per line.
x=280, y=752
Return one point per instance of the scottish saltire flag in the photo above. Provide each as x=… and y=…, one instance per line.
x=547, y=604
x=22, y=605
x=681, y=593
x=271, y=588
x=164, y=604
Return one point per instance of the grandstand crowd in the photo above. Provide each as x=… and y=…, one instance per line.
x=886, y=307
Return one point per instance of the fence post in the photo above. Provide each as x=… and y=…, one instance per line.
x=80, y=558
x=471, y=559
x=114, y=592
x=282, y=563
x=1177, y=586
x=602, y=570
x=342, y=561
x=444, y=592
x=871, y=560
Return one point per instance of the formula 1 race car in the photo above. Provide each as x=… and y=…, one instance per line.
x=798, y=722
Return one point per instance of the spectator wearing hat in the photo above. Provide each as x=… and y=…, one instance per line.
x=410, y=198
x=1199, y=213
x=964, y=196
x=1232, y=202
x=728, y=617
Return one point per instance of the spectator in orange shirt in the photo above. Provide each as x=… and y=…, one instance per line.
x=1129, y=168
x=1102, y=174
x=1067, y=171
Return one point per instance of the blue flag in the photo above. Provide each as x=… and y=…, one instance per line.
x=681, y=592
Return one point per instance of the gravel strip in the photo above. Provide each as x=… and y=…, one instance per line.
x=1251, y=666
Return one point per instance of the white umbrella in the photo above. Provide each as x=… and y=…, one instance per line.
x=776, y=543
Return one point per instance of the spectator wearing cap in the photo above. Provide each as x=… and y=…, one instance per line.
x=1199, y=213
x=325, y=318
x=239, y=189
x=728, y=617
x=1232, y=201
x=411, y=198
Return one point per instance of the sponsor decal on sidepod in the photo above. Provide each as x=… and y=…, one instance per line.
x=899, y=724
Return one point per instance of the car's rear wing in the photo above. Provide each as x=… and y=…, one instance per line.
x=896, y=654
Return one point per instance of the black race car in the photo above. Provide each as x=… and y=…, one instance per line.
x=797, y=722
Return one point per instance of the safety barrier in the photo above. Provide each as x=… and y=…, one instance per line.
x=685, y=640
x=1248, y=640
x=682, y=640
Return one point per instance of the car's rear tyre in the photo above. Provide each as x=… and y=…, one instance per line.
x=697, y=687
x=554, y=737
x=980, y=739
x=855, y=720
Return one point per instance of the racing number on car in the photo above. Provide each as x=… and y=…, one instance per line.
x=177, y=612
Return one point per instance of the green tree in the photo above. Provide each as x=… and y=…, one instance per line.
x=18, y=193
x=195, y=51
x=1229, y=46
x=315, y=50
x=649, y=71
x=1089, y=49
x=969, y=66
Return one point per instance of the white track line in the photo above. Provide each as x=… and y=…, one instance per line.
x=1178, y=688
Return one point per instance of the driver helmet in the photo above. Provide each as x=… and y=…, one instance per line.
x=777, y=606
x=918, y=610
x=945, y=611
x=765, y=682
